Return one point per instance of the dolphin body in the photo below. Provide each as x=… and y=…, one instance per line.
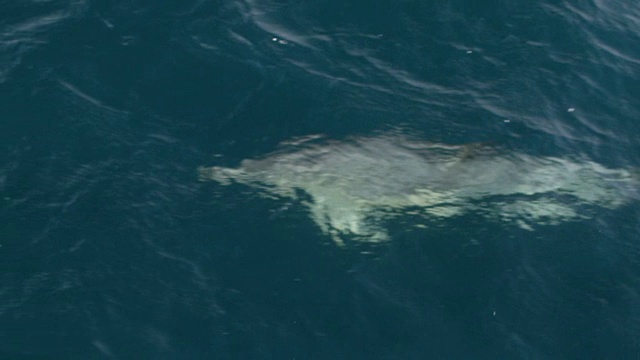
x=353, y=185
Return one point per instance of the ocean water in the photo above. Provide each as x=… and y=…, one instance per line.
x=114, y=246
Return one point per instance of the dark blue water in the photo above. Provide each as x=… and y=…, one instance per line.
x=111, y=247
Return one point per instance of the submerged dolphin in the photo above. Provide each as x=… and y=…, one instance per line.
x=353, y=185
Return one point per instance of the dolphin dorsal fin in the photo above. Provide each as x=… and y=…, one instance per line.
x=473, y=150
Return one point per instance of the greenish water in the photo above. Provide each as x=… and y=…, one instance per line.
x=112, y=247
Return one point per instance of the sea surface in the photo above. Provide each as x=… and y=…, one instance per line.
x=112, y=246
